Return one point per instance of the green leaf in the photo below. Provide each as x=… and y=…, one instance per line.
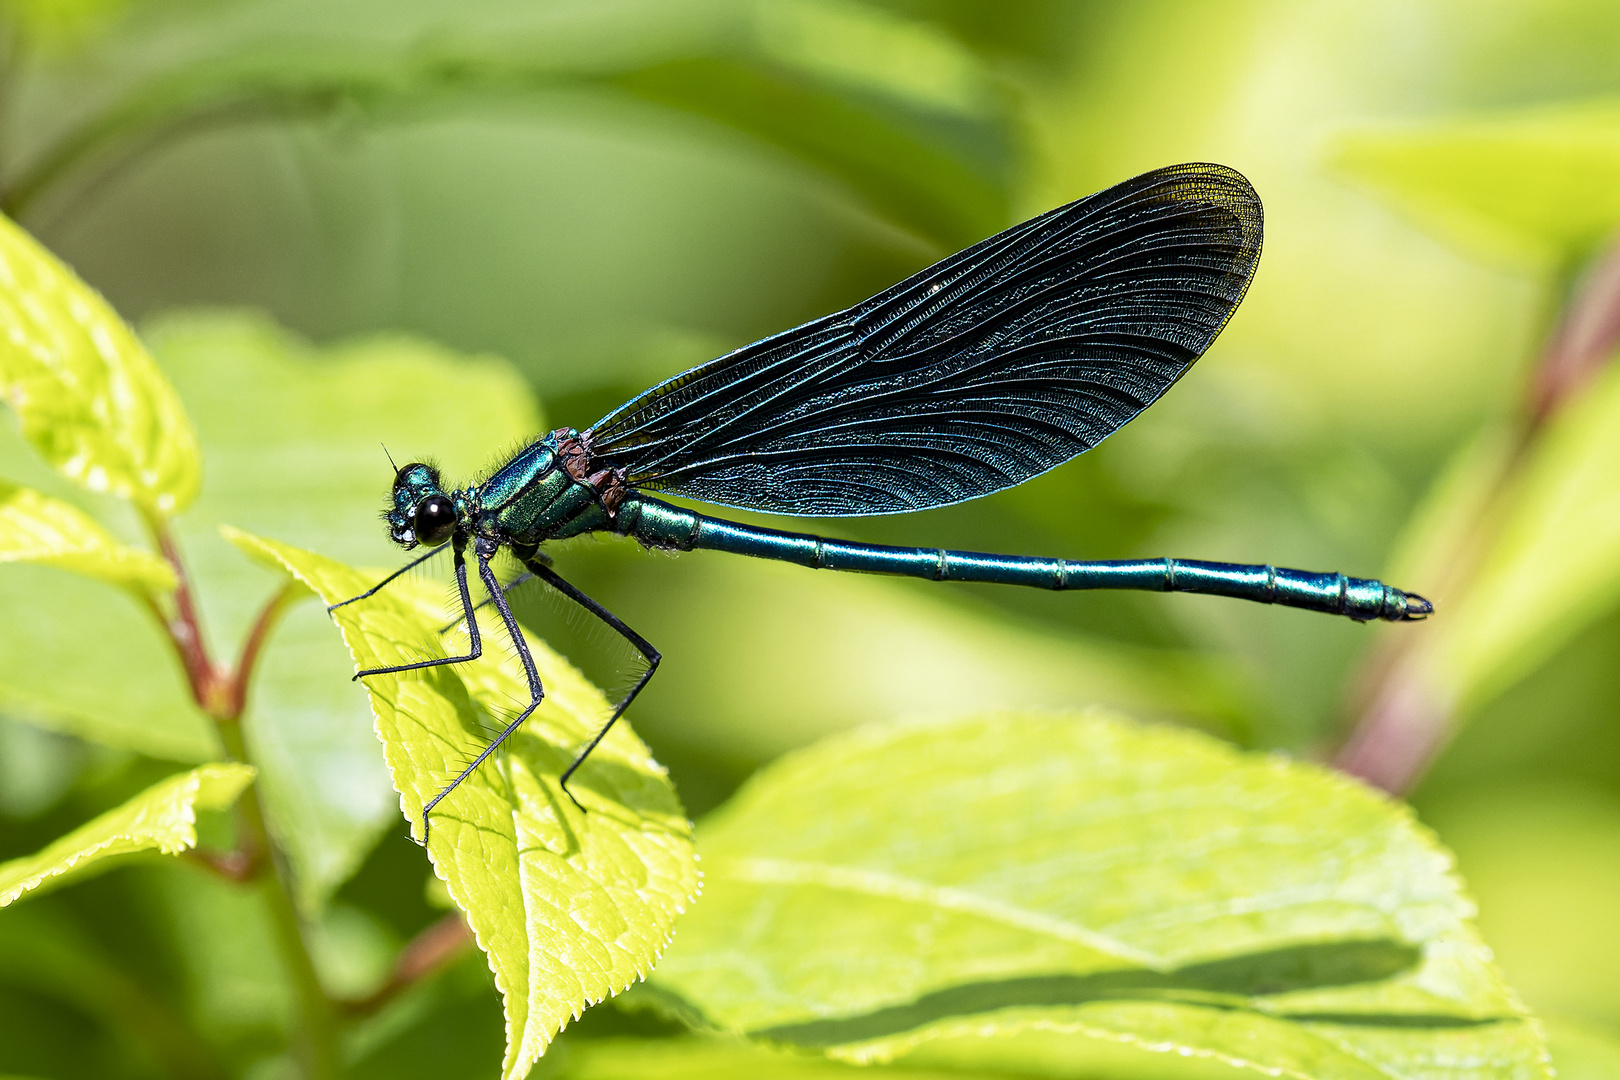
x=292, y=437
x=895, y=108
x=36, y=528
x=46, y=950
x=1169, y=1041
x=163, y=817
x=874, y=50
x=1083, y=890
x=1540, y=186
x=138, y=700
x=91, y=400
x=1582, y=1052
x=1552, y=565
x=570, y=907
x=714, y=1059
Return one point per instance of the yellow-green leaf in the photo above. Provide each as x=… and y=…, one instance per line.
x=90, y=397
x=36, y=528
x=1167, y=1040
x=1540, y=185
x=569, y=907
x=1078, y=890
x=866, y=47
x=162, y=818
x=717, y=1059
x=1582, y=1052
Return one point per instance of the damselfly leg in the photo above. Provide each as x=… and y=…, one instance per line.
x=476, y=644
x=385, y=582
x=522, y=579
x=639, y=643
x=484, y=549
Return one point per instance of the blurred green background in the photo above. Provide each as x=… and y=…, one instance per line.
x=605, y=193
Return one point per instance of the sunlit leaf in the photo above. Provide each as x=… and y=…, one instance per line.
x=1581, y=1052
x=91, y=400
x=1541, y=185
x=39, y=529
x=293, y=435
x=1174, y=1041
x=706, y=1059
x=162, y=818
x=910, y=892
x=570, y=907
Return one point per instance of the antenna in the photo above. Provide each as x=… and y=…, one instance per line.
x=389, y=456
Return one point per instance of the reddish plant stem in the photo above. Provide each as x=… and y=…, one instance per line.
x=1407, y=717
x=1583, y=343
x=236, y=685
x=222, y=694
x=1405, y=726
x=431, y=951
x=185, y=630
x=235, y=866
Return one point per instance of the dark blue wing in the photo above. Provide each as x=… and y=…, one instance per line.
x=976, y=374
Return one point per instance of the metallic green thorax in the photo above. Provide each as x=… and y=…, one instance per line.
x=553, y=490
x=529, y=500
x=533, y=498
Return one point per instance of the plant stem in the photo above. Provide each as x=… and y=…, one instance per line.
x=315, y=1042
x=236, y=685
x=185, y=629
x=1405, y=712
x=223, y=696
x=433, y=950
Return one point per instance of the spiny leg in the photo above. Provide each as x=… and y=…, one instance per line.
x=484, y=550
x=412, y=565
x=482, y=604
x=641, y=645
x=477, y=644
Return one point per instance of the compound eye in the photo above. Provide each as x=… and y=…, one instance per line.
x=435, y=520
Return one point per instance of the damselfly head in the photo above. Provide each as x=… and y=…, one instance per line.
x=421, y=512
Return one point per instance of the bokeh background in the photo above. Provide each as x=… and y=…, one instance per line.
x=605, y=193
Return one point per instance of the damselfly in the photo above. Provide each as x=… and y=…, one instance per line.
x=982, y=371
